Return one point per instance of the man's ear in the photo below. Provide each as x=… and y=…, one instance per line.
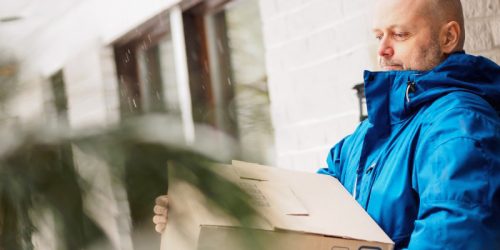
x=450, y=37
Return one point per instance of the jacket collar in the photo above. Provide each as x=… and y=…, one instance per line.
x=386, y=95
x=393, y=96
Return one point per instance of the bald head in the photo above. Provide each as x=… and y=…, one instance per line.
x=446, y=11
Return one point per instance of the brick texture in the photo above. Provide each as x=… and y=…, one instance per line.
x=482, y=19
x=480, y=8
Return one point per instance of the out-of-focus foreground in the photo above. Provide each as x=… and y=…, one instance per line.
x=98, y=96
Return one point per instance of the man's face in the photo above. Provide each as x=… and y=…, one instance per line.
x=408, y=37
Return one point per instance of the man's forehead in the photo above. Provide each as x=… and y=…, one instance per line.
x=389, y=13
x=403, y=4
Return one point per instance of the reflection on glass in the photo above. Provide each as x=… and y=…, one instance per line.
x=157, y=75
x=249, y=78
x=227, y=77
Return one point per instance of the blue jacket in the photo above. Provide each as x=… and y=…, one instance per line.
x=426, y=163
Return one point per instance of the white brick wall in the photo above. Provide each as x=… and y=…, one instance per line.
x=482, y=28
x=316, y=51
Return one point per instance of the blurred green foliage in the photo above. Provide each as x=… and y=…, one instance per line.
x=38, y=173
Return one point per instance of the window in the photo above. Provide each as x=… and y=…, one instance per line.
x=228, y=80
x=225, y=67
x=145, y=68
x=158, y=77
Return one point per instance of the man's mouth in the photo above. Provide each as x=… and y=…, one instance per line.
x=392, y=67
x=387, y=65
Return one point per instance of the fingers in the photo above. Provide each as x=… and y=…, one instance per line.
x=162, y=200
x=159, y=219
x=160, y=210
x=159, y=228
x=160, y=222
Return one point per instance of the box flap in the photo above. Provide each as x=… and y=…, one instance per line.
x=251, y=171
x=277, y=198
x=331, y=210
x=271, y=196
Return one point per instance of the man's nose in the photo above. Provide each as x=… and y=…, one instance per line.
x=385, y=49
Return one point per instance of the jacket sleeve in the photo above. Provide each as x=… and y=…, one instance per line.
x=458, y=183
x=333, y=161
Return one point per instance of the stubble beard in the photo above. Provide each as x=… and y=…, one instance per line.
x=427, y=58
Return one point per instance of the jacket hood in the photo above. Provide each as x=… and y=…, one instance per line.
x=392, y=96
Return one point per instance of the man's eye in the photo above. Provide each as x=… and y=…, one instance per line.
x=379, y=37
x=400, y=36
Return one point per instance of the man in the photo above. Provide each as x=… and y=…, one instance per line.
x=426, y=163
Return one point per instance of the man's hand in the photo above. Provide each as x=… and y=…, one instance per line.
x=160, y=210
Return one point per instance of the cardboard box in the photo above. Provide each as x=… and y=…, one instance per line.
x=298, y=211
